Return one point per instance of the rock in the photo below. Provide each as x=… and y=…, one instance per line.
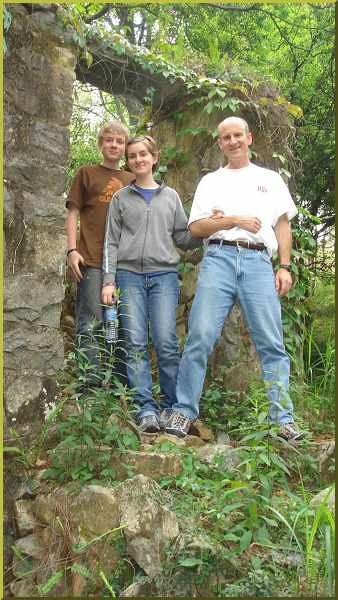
x=150, y=526
x=154, y=464
x=94, y=510
x=31, y=546
x=148, y=438
x=138, y=506
x=227, y=455
x=198, y=428
x=192, y=441
x=287, y=559
x=172, y=439
x=223, y=438
x=128, y=463
x=48, y=507
x=146, y=448
x=24, y=516
x=24, y=588
x=23, y=567
x=328, y=495
x=327, y=461
x=189, y=441
x=200, y=543
x=137, y=589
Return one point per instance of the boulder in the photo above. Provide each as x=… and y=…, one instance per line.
x=327, y=461
x=327, y=496
x=31, y=546
x=198, y=428
x=137, y=589
x=24, y=516
x=150, y=525
x=128, y=463
x=152, y=464
x=89, y=520
x=225, y=454
x=24, y=588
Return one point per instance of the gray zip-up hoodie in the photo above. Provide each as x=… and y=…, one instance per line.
x=140, y=237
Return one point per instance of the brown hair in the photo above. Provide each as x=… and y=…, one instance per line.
x=150, y=144
x=112, y=127
x=147, y=140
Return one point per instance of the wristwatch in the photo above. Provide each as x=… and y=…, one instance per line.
x=286, y=266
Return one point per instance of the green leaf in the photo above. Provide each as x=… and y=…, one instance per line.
x=295, y=111
x=89, y=58
x=245, y=540
x=50, y=583
x=190, y=562
x=81, y=570
x=256, y=562
x=262, y=417
x=209, y=107
x=231, y=537
x=264, y=458
x=230, y=507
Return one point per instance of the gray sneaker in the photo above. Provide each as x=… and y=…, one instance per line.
x=178, y=424
x=165, y=416
x=149, y=424
x=289, y=432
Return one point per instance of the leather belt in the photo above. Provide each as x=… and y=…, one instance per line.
x=241, y=243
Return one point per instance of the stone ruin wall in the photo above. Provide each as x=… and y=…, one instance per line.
x=39, y=76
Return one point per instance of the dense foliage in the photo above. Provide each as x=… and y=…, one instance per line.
x=291, y=46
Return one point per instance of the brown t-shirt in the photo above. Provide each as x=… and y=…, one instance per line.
x=91, y=192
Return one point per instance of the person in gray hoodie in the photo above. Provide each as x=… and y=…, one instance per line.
x=145, y=221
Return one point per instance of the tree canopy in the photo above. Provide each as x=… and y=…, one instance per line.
x=289, y=46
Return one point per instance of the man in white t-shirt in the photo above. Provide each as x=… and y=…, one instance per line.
x=257, y=208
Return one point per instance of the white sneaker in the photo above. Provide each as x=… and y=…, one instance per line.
x=178, y=424
x=165, y=416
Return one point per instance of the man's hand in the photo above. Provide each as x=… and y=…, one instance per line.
x=217, y=213
x=283, y=282
x=74, y=260
x=252, y=224
x=108, y=294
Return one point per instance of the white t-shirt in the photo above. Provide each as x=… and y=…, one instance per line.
x=251, y=190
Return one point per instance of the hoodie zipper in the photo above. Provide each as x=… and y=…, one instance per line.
x=147, y=224
x=144, y=241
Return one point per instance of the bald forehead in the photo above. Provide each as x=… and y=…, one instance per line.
x=234, y=121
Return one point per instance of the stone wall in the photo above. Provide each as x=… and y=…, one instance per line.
x=39, y=75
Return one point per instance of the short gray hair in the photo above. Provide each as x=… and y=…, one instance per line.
x=243, y=121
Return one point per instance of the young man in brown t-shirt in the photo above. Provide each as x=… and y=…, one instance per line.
x=88, y=200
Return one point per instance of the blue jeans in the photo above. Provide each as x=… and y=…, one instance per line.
x=150, y=299
x=229, y=273
x=89, y=328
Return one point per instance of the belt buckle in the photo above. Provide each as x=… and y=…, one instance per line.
x=243, y=244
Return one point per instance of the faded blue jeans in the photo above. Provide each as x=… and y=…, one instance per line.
x=229, y=273
x=150, y=299
x=89, y=328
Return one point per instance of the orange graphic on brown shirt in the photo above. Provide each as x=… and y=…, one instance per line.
x=112, y=186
